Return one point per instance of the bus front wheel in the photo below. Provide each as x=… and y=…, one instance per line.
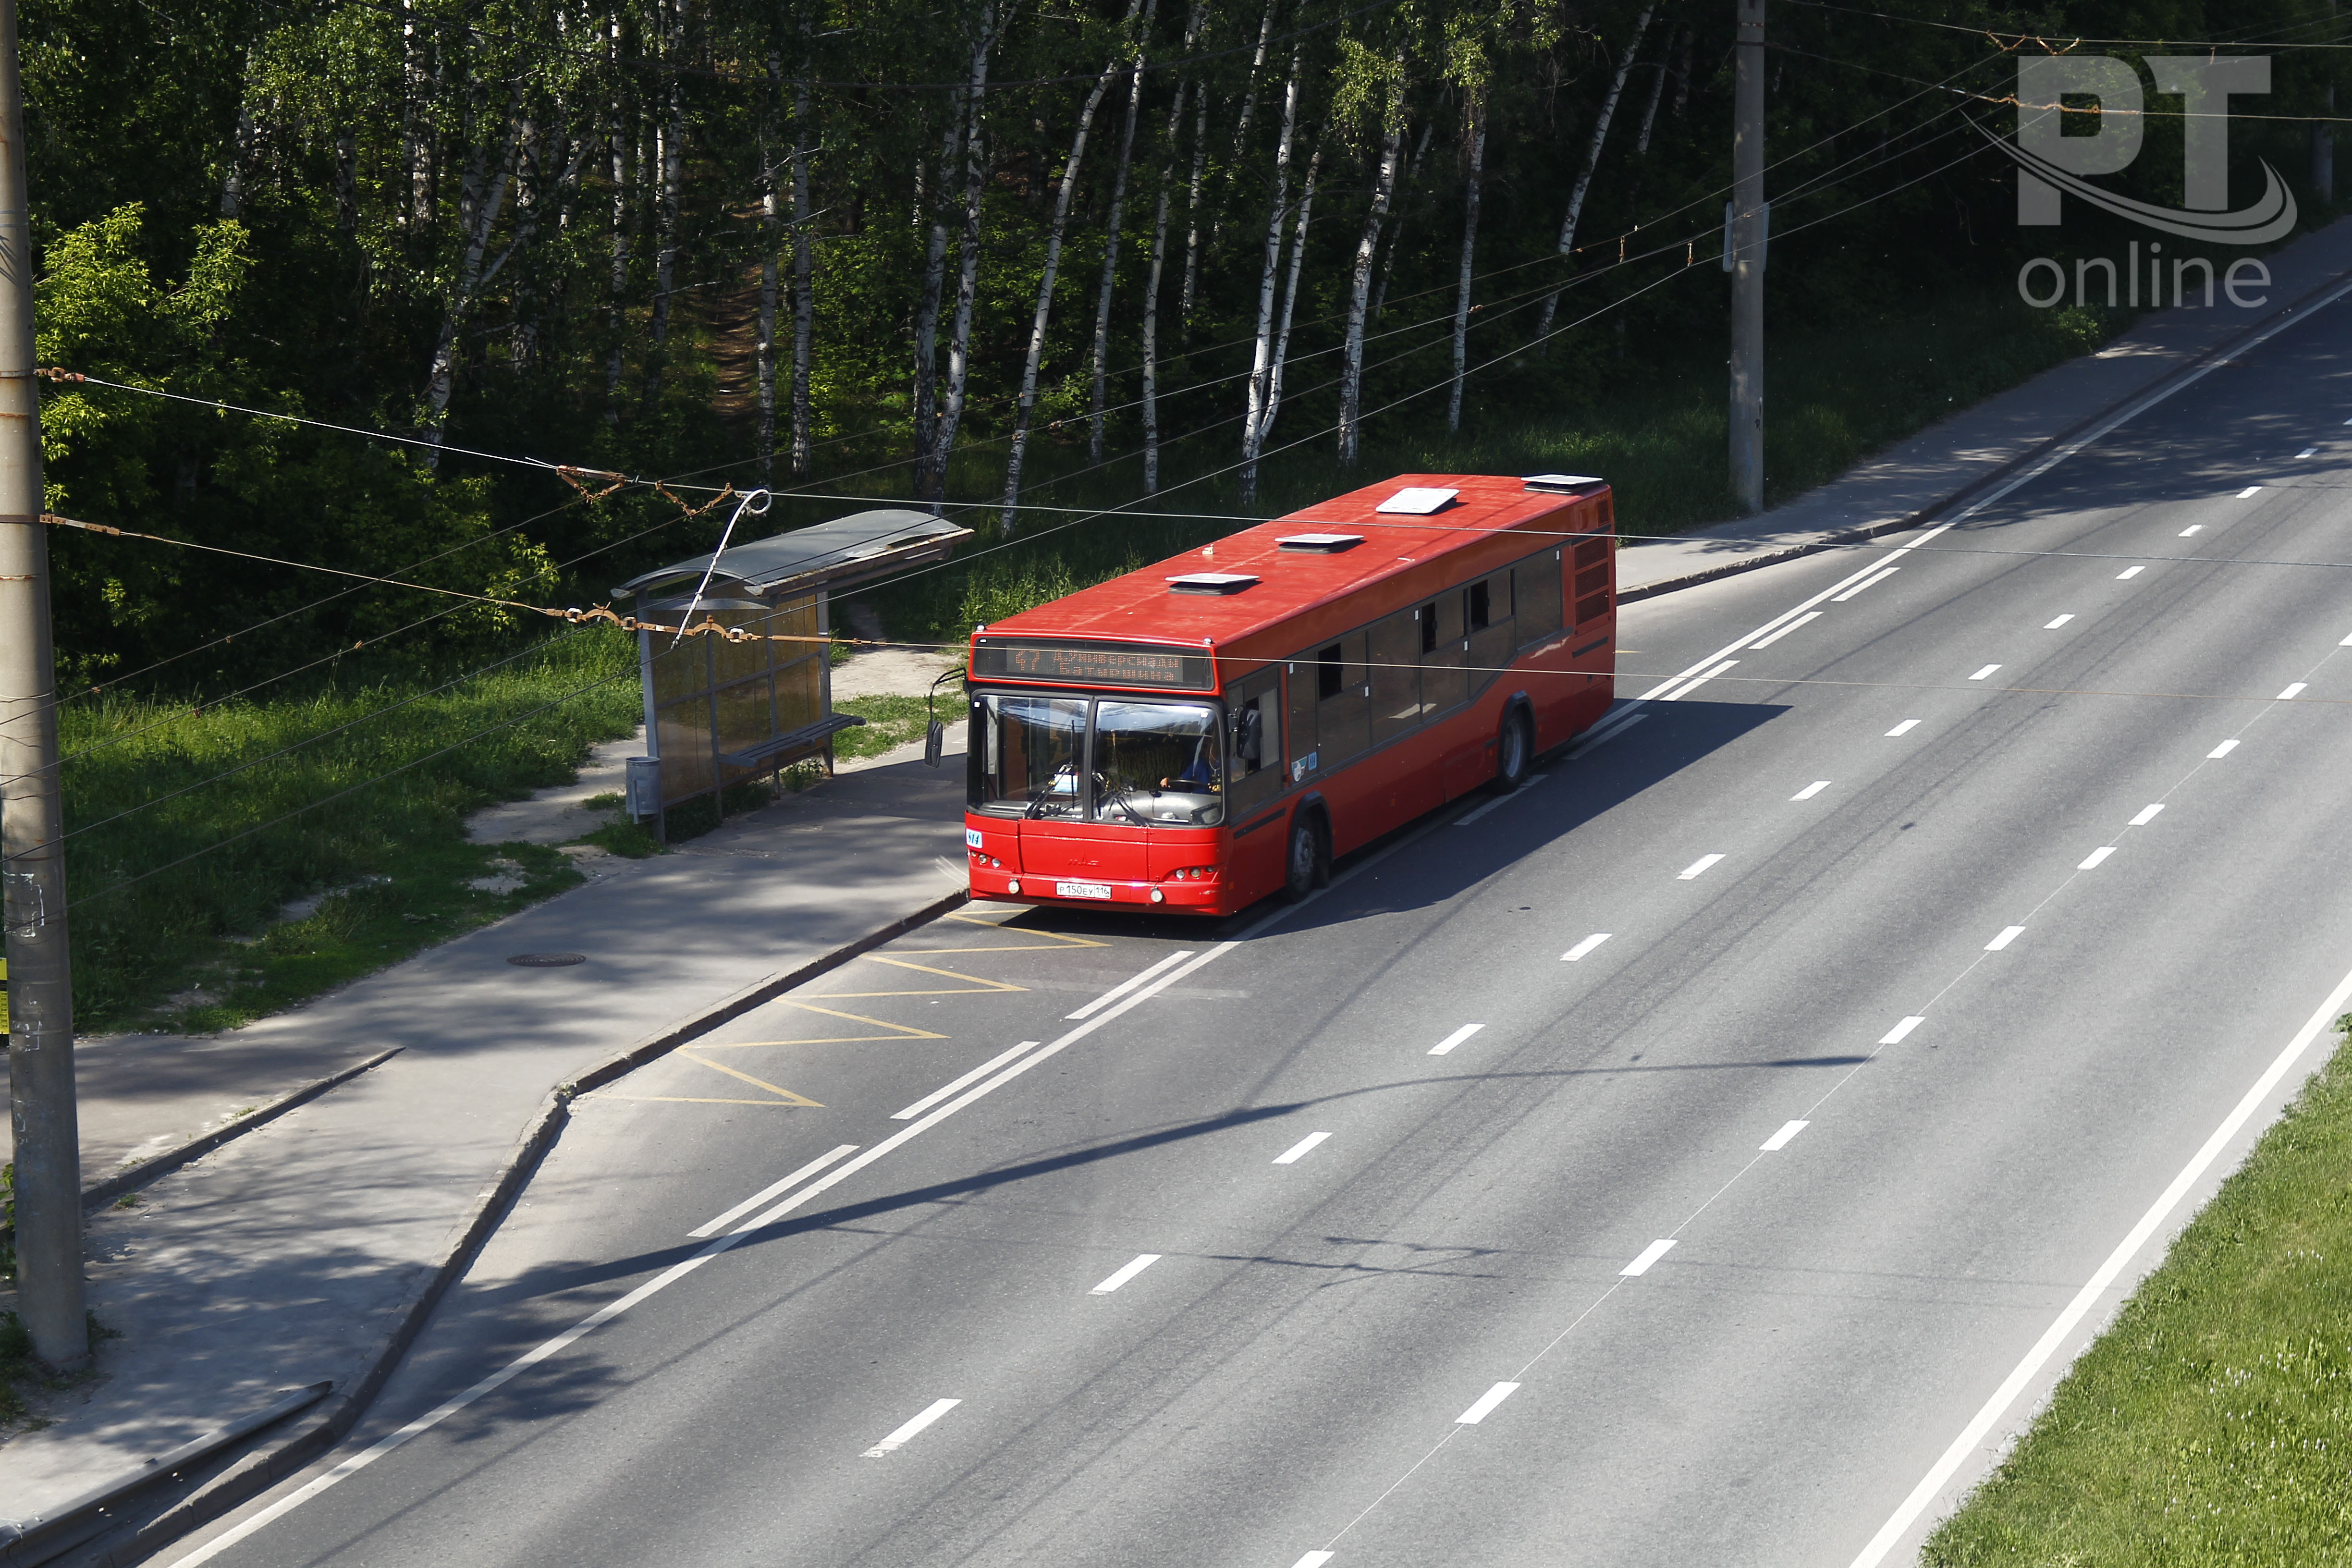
x=1513, y=749
x=1308, y=864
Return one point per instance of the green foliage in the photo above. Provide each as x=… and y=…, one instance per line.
x=2210, y=1423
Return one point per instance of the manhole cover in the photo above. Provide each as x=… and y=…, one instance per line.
x=547, y=960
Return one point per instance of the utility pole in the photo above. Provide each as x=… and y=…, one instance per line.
x=1747, y=236
x=32, y=822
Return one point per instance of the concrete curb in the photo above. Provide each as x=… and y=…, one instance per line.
x=258, y=1471
x=2155, y=391
x=130, y=1178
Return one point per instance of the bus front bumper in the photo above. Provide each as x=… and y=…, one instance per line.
x=1206, y=897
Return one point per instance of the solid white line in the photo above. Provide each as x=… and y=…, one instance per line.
x=1780, y=1140
x=1485, y=1406
x=2061, y=621
x=2345, y=642
x=2129, y=572
x=2250, y=490
x=1973, y=1434
x=2192, y=527
x=1581, y=948
x=1121, y=989
x=2007, y=934
x=2306, y=452
x=2293, y=691
x=1456, y=1038
x=1811, y=790
x=1687, y=687
x=1475, y=812
x=1981, y=674
x=977, y=1091
x=2146, y=814
x=1769, y=638
x=713, y=1228
x=1904, y=728
x=1870, y=582
x=1298, y=1152
x=1597, y=736
x=1650, y=1255
x=974, y=1076
x=2091, y=861
x=937, y=1408
x=1312, y=1560
x=1126, y=1272
x=2223, y=750
x=1894, y=1037
x=1698, y=868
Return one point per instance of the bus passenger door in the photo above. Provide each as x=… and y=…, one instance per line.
x=1255, y=780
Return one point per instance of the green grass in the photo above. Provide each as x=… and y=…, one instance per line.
x=216, y=864
x=892, y=720
x=2211, y=1426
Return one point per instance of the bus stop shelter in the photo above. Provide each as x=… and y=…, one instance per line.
x=720, y=711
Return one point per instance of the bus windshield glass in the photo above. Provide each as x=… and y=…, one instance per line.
x=1107, y=760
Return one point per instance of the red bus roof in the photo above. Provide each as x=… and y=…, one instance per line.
x=1141, y=607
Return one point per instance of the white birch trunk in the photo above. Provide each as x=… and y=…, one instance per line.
x=803, y=297
x=1351, y=361
x=975, y=154
x=1111, y=245
x=479, y=210
x=1191, y=289
x=1471, y=188
x=1404, y=215
x=1591, y=161
x=1262, y=349
x=931, y=202
x=1027, y=407
x=1151, y=292
x=1650, y=111
x=670, y=159
x=1291, y=294
x=615, y=321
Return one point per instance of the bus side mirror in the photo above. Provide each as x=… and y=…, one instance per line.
x=1249, y=729
x=933, y=739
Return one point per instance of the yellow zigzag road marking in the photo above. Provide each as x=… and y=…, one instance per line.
x=903, y=1031
x=784, y=1097
x=1055, y=941
x=978, y=984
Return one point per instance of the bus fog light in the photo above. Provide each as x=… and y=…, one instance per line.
x=1158, y=896
x=1014, y=886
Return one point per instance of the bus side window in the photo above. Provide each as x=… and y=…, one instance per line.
x=1255, y=713
x=1395, y=674
x=1535, y=594
x=1427, y=616
x=1482, y=605
x=1330, y=673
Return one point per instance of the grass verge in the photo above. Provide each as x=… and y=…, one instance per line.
x=2211, y=1424
x=891, y=722
x=192, y=828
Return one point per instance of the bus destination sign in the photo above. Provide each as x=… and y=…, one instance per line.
x=1094, y=664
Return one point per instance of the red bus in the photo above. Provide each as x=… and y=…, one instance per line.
x=1208, y=731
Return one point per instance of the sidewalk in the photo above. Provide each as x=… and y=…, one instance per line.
x=1941, y=463
x=308, y=1249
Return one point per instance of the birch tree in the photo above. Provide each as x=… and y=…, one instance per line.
x=1351, y=360
x=931, y=206
x=1110, y=243
x=932, y=485
x=1591, y=161
x=477, y=215
x=1027, y=405
x=1262, y=351
x=1290, y=295
x=1473, y=126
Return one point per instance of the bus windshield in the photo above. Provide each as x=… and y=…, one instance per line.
x=1101, y=760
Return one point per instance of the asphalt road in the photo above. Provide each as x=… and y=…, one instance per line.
x=1895, y=879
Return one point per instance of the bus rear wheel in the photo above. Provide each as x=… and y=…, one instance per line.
x=1307, y=864
x=1513, y=749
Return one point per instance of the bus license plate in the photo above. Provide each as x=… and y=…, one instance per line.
x=1082, y=889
